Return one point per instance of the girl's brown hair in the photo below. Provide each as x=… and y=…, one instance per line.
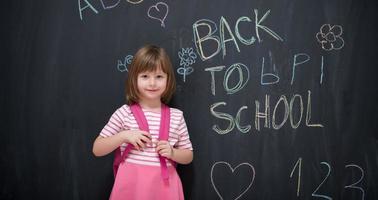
x=149, y=58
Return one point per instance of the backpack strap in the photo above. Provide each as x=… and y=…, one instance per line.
x=139, y=117
x=143, y=125
x=164, y=135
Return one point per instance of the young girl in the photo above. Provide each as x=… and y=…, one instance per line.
x=150, y=84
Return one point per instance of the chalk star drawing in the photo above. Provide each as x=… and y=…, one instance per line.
x=227, y=165
x=158, y=12
x=330, y=37
x=122, y=66
x=187, y=58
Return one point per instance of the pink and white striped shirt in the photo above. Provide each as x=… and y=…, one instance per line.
x=123, y=119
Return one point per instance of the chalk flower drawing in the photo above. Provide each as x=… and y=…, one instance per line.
x=187, y=58
x=330, y=37
x=122, y=65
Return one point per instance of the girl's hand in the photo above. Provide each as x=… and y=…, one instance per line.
x=165, y=149
x=137, y=138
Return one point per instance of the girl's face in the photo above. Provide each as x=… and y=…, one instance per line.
x=151, y=85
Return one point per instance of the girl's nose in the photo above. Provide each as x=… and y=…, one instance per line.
x=152, y=81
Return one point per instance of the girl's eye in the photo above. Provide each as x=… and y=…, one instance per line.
x=161, y=75
x=143, y=76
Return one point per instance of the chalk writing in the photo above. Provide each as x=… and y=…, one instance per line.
x=212, y=70
x=275, y=78
x=243, y=129
x=325, y=178
x=106, y=5
x=266, y=78
x=262, y=115
x=305, y=58
x=229, y=167
x=301, y=58
x=286, y=115
x=223, y=23
x=322, y=71
x=232, y=121
x=265, y=28
x=240, y=67
x=88, y=5
x=301, y=110
x=353, y=186
x=200, y=38
x=299, y=164
x=158, y=12
x=308, y=113
x=224, y=116
x=288, y=112
x=109, y=6
x=243, y=77
x=265, y=115
x=187, y=58
x=237, y=32
x=330, y=37
x=212, y=29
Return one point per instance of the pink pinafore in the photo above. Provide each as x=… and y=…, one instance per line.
x=143, y=182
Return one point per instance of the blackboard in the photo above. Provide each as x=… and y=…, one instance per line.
x=279, y=96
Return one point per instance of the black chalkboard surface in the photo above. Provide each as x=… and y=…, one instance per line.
x=279, y=96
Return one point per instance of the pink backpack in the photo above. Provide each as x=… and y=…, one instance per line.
x=143, y=125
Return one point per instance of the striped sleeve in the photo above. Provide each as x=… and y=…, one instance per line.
x=115, y=124
x=182, y=131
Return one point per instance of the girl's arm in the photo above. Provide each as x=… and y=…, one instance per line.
x=104, y=145
x=182, y=156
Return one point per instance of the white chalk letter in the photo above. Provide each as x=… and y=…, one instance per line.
x=264, y=115
x=308, y=113
x=223, y=23
x=224, y=116
x=243, y=129
x=295, y=64
x=291, y=111
x=258, y=25
x=237, y=33
x=212, y=71
x=286, y=115
x=273, y=77
x=242, y=82
x=85, y=7
x=198, y=40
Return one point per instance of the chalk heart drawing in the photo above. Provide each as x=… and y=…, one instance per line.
x=159, y=12
x=228, y=166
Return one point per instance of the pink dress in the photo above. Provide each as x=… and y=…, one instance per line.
x=139, y=177
x=129, y=184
